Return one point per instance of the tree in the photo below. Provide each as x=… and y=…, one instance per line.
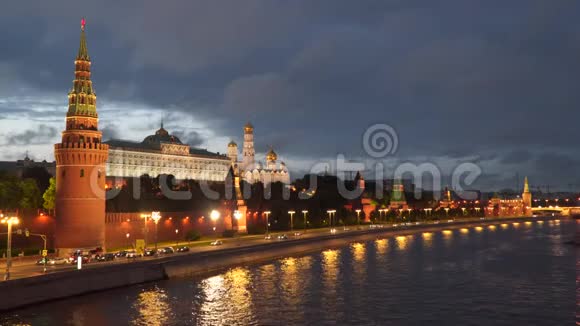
x=31, y=197
x=49, y=196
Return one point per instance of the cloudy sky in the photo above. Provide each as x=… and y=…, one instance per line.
x=494, y=83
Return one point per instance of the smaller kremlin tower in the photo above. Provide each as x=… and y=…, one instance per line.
x=527, y=199
x=398, y=200
x=233, y=152
x=80, y=165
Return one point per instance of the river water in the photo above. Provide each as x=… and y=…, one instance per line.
x=508, y=274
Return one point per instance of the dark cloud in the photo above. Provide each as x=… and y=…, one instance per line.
x=192, y=138
x=40, y=135
x=494, y=82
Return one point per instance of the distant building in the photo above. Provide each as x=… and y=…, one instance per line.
x=519, y=206
x=18, y=167
x=252, y=171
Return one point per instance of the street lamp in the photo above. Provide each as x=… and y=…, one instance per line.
x=237, y=216
x=145, y=217
x=156, y=216
x=330, y=212
x=176, y=237
x=305, y=222
x=267, y=222
x=358, y=216
x=127, y=236
x=214, y=215
x=9, y=221
x=291, y=220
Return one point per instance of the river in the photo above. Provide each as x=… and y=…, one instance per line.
x=505, y=274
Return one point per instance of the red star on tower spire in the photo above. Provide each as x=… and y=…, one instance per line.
x=83, y=23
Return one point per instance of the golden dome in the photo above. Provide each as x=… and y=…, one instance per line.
x=271, y=155
x=232, y=144
x=248, y=127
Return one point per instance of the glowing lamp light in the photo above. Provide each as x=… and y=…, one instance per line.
x=237, y=215
x=214, y=215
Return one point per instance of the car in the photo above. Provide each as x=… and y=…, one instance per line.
x=42, y=261
x=167, y=250
x=85, y=259
x=149, y=252
x=268, y=237
x=120, y=254
x=132, y=254
x=57, y=261
x=282, y=237
x=297, y=234
x=183, y=249
x=333, y=231
x=216, y=243
x=105, y=257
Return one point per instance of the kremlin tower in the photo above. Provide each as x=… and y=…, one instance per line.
x=248, y=150
x=527, y=199
x=80, y=165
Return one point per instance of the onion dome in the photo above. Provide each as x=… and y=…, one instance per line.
x=248, y=128
x=271, y=155
x=232, y=144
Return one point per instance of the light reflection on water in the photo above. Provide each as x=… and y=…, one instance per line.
x=517, y=276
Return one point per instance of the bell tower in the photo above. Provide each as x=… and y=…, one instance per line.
x=248, y=150
x=80, y=165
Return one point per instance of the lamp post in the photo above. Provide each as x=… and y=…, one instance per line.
x=9, y=221
x=305, y=221
x=267, y=213
x=145, y=217
x=357, y=216
x=214, y=215
x=330, y=212
x=237, y=217
x=156, y=216
x=128, y=242
x=176, y=237
x=291, y=220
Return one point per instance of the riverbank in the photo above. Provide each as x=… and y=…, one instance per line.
x=32, y=290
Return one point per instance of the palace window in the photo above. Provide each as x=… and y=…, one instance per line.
x=82, y=173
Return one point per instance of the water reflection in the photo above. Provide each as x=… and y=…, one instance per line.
x=427, y=239
x=504, y=226
x=152, y=307
x=358, y=251
x=226, y=299
x=330, y=266
x=381, y=245
x=402, y=242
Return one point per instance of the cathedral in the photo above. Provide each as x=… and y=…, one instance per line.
x=250, y=170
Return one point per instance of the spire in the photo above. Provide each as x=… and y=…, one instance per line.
x=83, y=52
x=526, y=185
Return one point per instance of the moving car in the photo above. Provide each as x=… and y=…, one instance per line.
x=216, y=243
x=57, y=261
x=167, y=250
x=268, y=237
x=282, y=237
x=183, y=249
x=42, y=261
x=85, y=259
x=149, y=252
x=105, y=257
x=120, y=254
x=132, y=254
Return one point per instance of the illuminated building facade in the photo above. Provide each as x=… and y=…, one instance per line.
x=521, y=206
x=162, y=153
x=252, y=171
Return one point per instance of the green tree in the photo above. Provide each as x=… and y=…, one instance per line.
x=31, y=197
x=49, y=196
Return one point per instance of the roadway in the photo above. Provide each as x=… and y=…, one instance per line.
x=30, y=269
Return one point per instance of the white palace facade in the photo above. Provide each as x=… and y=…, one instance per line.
x=163, y=153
